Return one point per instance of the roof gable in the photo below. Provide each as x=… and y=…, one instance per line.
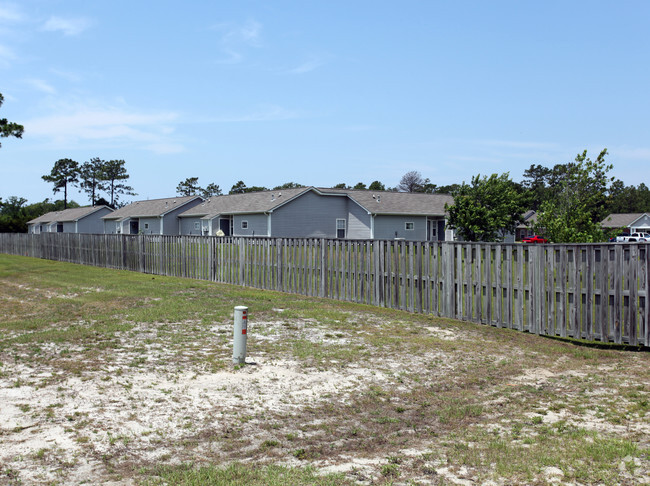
x=621, y=220
x=374, y=202
x=151, y=207
x=249, y=202
x=71, y=214
x=406, y=203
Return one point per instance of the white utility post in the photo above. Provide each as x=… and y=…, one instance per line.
x=240, y=335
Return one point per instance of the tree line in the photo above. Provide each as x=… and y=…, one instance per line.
x=570, y=199
x=410, y=182
x=92, y=177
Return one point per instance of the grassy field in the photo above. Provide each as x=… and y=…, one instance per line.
x=124, y=378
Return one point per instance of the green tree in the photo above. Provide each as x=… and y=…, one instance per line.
x=14, y=213
x=360, y=186
x=188, y=187
x=574, y=214
x=628, y=199
x=9, y=129
x=428, y=187
x=487, y=209
x=103, y=202
x=210, y=190
x=91, y=175
x=543, y=183
x=341, y=185
x=376, y=186
x=12, y=218
x=238, y=188
x=256, y=189
x=64, y=173
x=288, y=185
x=113, y=174
x=450, y=189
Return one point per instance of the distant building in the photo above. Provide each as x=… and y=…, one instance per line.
x=310, y=212
x=525, y=228
x=151, y=217
x=74, y=220
x=628, y=222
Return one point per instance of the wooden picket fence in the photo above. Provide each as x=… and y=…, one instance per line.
x=585, y=291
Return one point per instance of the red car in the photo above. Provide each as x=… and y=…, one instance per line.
x=534, y=239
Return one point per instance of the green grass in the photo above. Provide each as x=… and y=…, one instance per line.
x=240, y=474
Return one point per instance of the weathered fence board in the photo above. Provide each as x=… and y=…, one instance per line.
x=593, y=292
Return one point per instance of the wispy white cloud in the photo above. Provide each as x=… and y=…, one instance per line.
x=237, y=38
x=75, y=123
x=307, y=67
x=41, y=85
x=68, y=26
x=67, y=75
x=10, y=13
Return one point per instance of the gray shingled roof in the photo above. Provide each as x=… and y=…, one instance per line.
x=375, y=202
x=620, y=220
x=530, y=217
x=384, y=202
x=150, y=208
x=250, y=202
x=71, y=214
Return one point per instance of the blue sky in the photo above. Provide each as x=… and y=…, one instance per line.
x=321, y=92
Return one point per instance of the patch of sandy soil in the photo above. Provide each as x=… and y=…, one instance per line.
x=71, y=428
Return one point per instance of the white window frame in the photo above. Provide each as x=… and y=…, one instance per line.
x=244, y=224
x=407, y=224
x=146, y=226
x=197, y=225
x=344, y=228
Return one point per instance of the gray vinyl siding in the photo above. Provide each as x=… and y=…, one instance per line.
x=171, y=223
x=257, y=225
x=188, y=226
x=310, y=216
x=358, y=222
x=642, y=224
x=386, y=227
x=68, y=226
x=93, y=223
x=111, y=226
x=154, y=226
x=119, y=227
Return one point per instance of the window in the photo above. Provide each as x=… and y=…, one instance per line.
x=146, y=226
x=340, y=228
x=244, y=225
x=197, y=225
x=409, y=226
x=59, y=228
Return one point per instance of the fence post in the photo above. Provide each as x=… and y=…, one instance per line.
x=123, y=252
x=606, y=295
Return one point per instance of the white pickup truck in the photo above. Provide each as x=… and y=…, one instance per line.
x=633, y=238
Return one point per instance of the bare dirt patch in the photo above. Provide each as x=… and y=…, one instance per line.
x=143, y=403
